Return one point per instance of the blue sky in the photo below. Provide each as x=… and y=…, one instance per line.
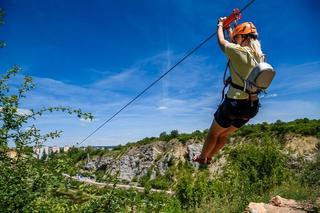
x=97, y=55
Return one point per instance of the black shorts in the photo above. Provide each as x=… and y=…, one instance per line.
x=236, y=112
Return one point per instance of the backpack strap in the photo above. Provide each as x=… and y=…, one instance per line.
x=254, y=59
x=244, y=88
x=225, y=72
x=226, y=82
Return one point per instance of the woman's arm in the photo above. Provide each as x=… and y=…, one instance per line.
x=220, y=36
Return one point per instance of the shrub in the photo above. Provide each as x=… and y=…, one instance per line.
x=252, y=170
x=311, y=172
x=191, y=192
x=174, y=133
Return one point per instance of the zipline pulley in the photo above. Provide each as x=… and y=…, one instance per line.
x=234, y=17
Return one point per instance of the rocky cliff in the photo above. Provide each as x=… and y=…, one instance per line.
x=155, y=158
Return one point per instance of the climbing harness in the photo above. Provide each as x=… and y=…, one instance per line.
x=258, y=80
x=262, y=74
x=235, y=16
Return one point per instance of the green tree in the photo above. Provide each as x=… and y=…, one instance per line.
x=163, y=135
x=24, y=178
x=174, y=133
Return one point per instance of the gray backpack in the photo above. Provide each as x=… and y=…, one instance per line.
x=259, y=78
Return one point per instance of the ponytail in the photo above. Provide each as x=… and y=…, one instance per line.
x=255, y=45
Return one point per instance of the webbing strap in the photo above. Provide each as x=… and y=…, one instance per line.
x=242, y=88
x=226, y=82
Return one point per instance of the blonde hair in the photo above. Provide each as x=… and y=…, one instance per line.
x=255, y=45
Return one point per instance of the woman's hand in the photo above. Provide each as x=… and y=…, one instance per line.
x=221, y=20
x=220, y=36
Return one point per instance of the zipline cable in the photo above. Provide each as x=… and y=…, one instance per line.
x=156, y=81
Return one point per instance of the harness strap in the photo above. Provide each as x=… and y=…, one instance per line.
x=226, y=82
x=242, y=88
x=225, y=72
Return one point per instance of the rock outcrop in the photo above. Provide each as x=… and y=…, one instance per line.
x=279, y=205
x=154, y=158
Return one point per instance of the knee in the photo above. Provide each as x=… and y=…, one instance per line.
x=214, y=134
x=223, y=136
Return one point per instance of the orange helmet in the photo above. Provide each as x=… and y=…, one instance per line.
x=244, y=29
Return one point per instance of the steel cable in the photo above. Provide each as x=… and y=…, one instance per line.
x=157, y=80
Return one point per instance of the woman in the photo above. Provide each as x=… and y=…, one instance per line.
x=239, y=105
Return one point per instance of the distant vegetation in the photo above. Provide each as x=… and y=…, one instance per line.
x=303, y=126
x=279, y=128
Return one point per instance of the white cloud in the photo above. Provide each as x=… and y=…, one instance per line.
x=162, y=107
x=24, y=112
x=86, y=120
x=271, y=95
x=185, y=100
x=295, y=79
x=115, y=80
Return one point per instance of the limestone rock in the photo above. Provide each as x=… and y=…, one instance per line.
x=90, y=166
x=192, y=150
x=278, y=205
x=163, y=163
x=135, y=162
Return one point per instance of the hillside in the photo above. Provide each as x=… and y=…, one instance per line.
x=156, y=174
x=258, y=159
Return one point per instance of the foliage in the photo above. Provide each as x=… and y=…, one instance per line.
x=303, y=126
x=163, y=135
x=278, y=129
x=165, y=181
x=20, y=182
x=191, y=192
x=311, y=173
x=174, y=133
x=23, y=178
x=252, y=169
x=13, y=123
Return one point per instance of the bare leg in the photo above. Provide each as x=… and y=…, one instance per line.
x=211, y=140
x=222, y=139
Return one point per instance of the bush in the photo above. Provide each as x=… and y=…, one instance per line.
x=24, y=179
x=311, y=173
x=191, y=192
x=174, y=133
x=252, y=170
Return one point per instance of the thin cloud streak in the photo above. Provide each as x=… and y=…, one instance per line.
x=193, y=93
x=297, y=78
